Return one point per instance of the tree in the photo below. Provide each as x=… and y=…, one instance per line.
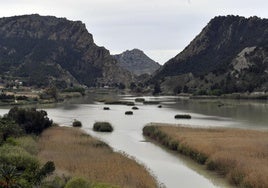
x=30, y=120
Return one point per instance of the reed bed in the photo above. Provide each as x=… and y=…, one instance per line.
x=80, y=155
x=240, y=155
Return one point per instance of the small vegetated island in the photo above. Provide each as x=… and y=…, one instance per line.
x=239, y=155
x=103, y=127
x=34, y=152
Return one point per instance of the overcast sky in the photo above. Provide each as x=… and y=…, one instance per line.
x=161, y=28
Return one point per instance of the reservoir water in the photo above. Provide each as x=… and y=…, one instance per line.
x=171, y=170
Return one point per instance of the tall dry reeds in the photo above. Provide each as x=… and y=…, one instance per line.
x=79, y=154
x=240, y=155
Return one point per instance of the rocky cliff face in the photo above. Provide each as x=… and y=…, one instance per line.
x=45, y=49
x=137, y=62
x=223, y=45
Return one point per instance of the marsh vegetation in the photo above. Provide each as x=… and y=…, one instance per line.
x=240, y=155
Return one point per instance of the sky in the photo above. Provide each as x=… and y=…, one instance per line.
x=161, y=28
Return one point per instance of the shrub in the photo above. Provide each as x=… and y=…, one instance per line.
x=128, y=113
x=9, y=128
x=135, y=108
x=183, y=116
x=30, y=120
x=78, y=182
x=18, y=157
x=77, y=123
x=102, y=127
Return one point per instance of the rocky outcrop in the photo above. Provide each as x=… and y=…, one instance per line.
x=45, y=49
x=137, y=62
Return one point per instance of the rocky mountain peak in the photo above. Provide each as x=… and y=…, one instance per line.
x=137, y=62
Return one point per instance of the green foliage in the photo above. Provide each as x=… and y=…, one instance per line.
x=18, y=157
x=30, y=120
x=78, y=182
x=102, y=127
x=45, y=171
x=8, y=128
x=28, y=143
x=9, y=176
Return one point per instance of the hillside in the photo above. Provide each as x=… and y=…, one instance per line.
x=44, y=50
x=228, y=55
x=137, y=62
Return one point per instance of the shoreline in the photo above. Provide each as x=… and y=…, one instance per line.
x=226, y=151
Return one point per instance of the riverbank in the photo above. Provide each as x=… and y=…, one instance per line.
x=77, y=154
x=239, y=155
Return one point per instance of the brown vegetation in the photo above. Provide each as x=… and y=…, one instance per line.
x=78, y=154
x=239, y=155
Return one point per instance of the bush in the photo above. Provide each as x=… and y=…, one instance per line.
x=30, y=120
x=77, y=183
x=135, y=108
x=128, y=113
x=102, y=127
x=9, y=128
x=77, y=123
x=18, y=157
x=183, y=116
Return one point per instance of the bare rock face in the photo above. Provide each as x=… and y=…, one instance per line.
x=43, y=49
x=137, y=62
x=224, y=46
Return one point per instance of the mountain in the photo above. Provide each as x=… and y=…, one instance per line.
x=137, y=62
x=223, y=56
x=43, y=50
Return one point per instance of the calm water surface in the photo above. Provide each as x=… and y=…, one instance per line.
x=171, y=170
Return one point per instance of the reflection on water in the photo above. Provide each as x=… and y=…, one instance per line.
x=170, y=169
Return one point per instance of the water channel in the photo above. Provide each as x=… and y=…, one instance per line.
x=171, y=170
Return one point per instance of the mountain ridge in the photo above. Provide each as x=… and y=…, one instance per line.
x=212, y=51
x=49, y=45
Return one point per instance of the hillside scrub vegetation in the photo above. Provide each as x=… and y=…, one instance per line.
x=80, y=155
x=240, y=155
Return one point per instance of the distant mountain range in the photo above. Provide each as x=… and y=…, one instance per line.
x=137, y=62
x=229, y=55
x=45, y=50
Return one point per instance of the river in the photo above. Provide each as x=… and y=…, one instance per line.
x=171, y=170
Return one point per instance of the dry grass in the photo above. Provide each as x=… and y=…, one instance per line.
x=240, y=155
x=79, y=154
